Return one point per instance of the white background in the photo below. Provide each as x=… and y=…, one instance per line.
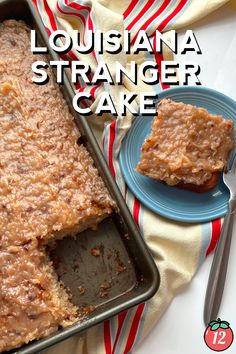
x=181, y=328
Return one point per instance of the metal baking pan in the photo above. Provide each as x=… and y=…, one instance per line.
x=108, y=270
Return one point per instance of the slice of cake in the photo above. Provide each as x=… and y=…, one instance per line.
x=188, y=147
x=33, y=302
x=49, y=188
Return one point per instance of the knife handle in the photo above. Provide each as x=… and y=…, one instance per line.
x=218, y=271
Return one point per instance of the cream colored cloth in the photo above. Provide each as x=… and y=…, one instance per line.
x=177, y=248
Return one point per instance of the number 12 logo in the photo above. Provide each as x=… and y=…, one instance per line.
x=218, y=335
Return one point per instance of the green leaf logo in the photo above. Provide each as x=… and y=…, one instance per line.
x=215, y=326
x=224, y=325
x=212, y=323
x=227, y=323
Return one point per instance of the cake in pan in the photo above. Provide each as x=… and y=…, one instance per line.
x=49, y=188
x=188, y=147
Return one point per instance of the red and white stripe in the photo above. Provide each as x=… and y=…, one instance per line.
x=215, y=234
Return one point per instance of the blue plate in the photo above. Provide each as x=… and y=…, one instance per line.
x=171, y=202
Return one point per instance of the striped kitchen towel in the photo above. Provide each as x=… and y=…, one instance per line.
x=177, y=248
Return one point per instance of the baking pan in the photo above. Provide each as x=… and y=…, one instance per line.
x=108, y=270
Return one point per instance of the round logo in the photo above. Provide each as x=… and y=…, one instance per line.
x=218, y=335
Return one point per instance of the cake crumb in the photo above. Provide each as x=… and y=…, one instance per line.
x=81, y=290
x=104, y=290
x=120, y=268
x=95, y=251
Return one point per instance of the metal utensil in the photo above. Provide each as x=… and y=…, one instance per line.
x=219, y=266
